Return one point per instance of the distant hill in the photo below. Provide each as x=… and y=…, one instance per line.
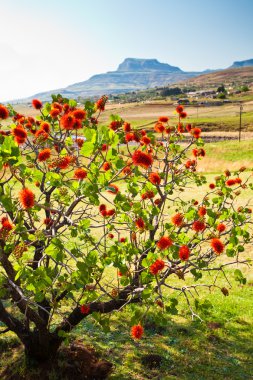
x=237, y=64
x=235, y=76
x=137, y=74
x=132, y=74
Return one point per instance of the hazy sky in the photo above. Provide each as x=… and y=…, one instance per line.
x=50, y=44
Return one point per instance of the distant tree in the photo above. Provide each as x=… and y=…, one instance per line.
x=244, y=88
x=221, y=89
x=221, y=95
x=170, y=91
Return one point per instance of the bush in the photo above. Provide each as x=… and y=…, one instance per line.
x=94, y=218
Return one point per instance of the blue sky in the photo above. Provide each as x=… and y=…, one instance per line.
x=52, y=43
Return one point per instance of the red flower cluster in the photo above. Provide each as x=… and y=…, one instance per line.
x=104, y=212
x=154, y=178
x=142, y=159
x=20, y=134
x=145, y=140
x=177, y=219
x=44, y=154
x=149, y=194
x=37, y=104
x=159, y=127
x=163, y=119
x=126, y=127
x=217, y=246
x=199, y=152
x=212, y=186
x=202, y=211
x=198, y=226
x=164, y=243
x=6, y=224
x=100, y=103
x=157, y=266
x=137, y=331
x=4, y=112
x=26, y=198
x=140, y=223
x=221, y=227
x=184, y=253
x=80, y=173
x=190, y=164
x=232, y=182
x=196, y=132
x=106, y=166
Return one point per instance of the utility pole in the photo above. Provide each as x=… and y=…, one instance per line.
x=240, y=125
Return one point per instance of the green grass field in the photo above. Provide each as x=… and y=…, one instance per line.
x=218, y=347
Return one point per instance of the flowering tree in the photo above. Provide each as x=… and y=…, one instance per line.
x=96, y=217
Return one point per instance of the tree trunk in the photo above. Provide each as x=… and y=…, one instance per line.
x=41, y=346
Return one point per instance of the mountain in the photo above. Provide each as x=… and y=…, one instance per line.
x=131, y=75
x=248, y=62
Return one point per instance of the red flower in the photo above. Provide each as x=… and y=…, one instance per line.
x=177, y=219
x=184, y=253
x=64, y=162
x=57, y=106
x=183, y=115
x=6, y=224
x=179, y=109
x=148, y=195
x=217, y=246
x=127, y=127
x=102, y=207
x=26, y=198
x=79, y=114
x=129, y=137
x=36, y=104
x=230, y=182
x=157, y=266
x=196, y=132
x=127, y=170
x=154, y=178
x=212, y=186
x=106, y=166
x=188, y=127
x=137, y=331
x=198, y=226
x=142, y=159
x=110, y=212
x=4, y=112
x=79, y=142
x=44, y=154
x=104, y=147
x=80, y=173
x=48, y=221
x=45, y=126
x=113, y=189
x=115, y=125
x=54, y=113
x=159, y=127
x=100, y=104
x=180, y=128
x=85, y=309
x=221, y=227
x=238, y=181
x=202, y=211
x=140, y=223
x=145, y=140
x=199, y=152
x=163, y=119
x=41, y=135
x=111, y=236
x=20, y=134
x=164, y=243
x=122, y=240
x=67, y=121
